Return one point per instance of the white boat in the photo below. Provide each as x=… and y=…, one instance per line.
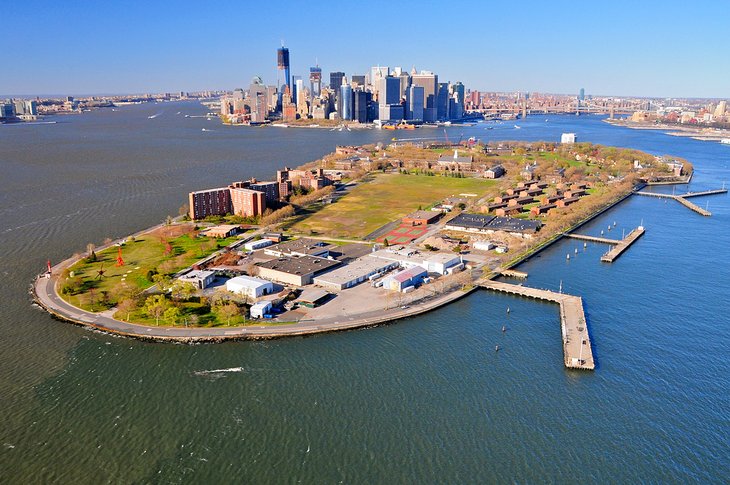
x=518, y=127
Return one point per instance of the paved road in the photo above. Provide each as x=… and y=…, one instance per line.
x=47, y=297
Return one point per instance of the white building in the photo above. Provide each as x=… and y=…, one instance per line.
x=404, y=279
x=201, y=279
x=258, y=244
x=410, y=257
x=258, y=310
x=567, y=138
x=483, y=245
x=249, y=286
x=354, y=273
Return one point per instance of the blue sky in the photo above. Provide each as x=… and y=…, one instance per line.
x=668, y=48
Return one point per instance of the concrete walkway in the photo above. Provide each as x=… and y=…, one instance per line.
x=48, y=298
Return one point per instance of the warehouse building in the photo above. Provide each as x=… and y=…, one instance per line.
x=354, y=273
x=297, y=271
x=199, y=278
x=300, y=247
x=404, y=279
x=249, y=286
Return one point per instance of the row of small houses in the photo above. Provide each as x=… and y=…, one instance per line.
x=514, y=201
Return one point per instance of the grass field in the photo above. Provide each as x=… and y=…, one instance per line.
x=145, y=253
x=384, y=199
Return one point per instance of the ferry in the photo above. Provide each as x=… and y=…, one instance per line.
x=725, y=141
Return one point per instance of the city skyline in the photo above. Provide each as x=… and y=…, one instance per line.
x=609, y=49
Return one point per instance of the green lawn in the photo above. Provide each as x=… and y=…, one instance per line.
x=143, y=254
x=384, y=199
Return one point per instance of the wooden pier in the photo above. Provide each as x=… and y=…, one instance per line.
x=577, y=350
x=584, y=237
x=623, y=245
x=682, y=198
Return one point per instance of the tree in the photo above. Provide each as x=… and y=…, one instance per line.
x=172, y=315
x=127, y=306
x=162, y=281
x=183, y=290
x=155, y=306
x=227, y=310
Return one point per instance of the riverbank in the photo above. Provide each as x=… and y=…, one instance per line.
x=695, y=132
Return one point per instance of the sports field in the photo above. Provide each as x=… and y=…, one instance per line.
x=384, y=199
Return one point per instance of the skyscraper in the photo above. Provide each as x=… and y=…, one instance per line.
x=429, y=82
x=258, y=102
x=344, y=103
x=389, y=108
x=414, y=103
x=442, y=102
x=315, y=80
x=582, y=94
x=336, y=81
x=282, y=64
x=361, y=99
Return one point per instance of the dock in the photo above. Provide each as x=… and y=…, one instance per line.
x=682, y=198
x=620, y=245
x=623, y=245
x=577, y=350
x=584, y=237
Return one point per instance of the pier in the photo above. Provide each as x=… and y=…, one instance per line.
x=682, y=198
x=577, y=350
x=622, y=245
x=584, y=237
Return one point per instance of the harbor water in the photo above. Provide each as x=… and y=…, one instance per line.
x=424, y=400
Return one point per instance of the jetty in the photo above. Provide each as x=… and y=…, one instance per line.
x=682, y=198
x=620, y=245
x=577, y=350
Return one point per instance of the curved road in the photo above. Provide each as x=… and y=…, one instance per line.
x=46, y=296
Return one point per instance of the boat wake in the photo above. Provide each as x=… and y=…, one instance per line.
x=152, y=117
x=217, y=371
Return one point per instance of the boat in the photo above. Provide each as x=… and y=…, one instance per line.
x=518, y=127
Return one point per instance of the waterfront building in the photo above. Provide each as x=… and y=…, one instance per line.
x=258, y=100
x=361, y=99
x=354, y=273
x=486, y=224
x=429, y=82
x=249, y=286
x=210, y=202
x=261, y=308
x=7, y=111
x=442, y=102
x=404, y=279
x=270, y=189
x=567, y=138
x=390, y=108
x=457, y=94
x=414, y=103
x=345, y=101
x=247, y=202
x=720, y=109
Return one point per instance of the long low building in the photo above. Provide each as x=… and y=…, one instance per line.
x=410, y=257
x=300, y=247
x=354, y=273
x=298, y=271
x=486, y=224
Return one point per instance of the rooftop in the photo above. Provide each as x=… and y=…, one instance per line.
x=303, y=246
x=358, y=267
x=302, y=265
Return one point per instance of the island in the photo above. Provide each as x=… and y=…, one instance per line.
x=363, y=236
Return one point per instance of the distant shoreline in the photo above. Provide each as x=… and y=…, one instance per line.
x=696, y=133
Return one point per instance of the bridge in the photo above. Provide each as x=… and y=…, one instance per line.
x=577, y=350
